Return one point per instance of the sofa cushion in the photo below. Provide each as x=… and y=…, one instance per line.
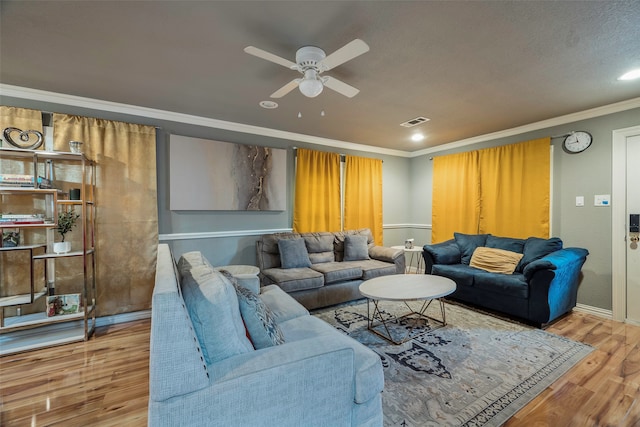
x=338, y=271
x=506, y=284
x=468, y=243
x=369, y=378
x=319, y=247
x=257, y=316
x=460, y=273
x=213, y=307
x=495, y=260
x=355, y=248
x=281, y=304
x=536, y=248
x=373, y=268
x=295, y=279
x=506, y=243
x=293, y=253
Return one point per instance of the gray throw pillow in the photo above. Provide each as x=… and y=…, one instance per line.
x=355, y=248
x=257, y=316
x=293, y=253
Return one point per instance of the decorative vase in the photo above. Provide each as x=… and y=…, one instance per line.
x=61, y=247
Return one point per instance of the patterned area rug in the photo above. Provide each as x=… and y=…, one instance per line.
x=477, y=370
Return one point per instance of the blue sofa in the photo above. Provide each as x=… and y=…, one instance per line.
x=211, y=362
x=542, y=287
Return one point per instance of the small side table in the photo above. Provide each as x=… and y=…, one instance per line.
x=416, y=252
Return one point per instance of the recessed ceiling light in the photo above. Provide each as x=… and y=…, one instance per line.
x=417, y=137
x=631, y=75
x=270, y=105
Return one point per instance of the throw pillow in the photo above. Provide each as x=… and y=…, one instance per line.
x=213, y=307
x=495, y=260
x=536, y=248
x=468, y=243
x=506, y=243
x=355, y=248
x=257, y=316
x=293, y=253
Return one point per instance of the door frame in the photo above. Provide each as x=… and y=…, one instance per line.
x=619, y=221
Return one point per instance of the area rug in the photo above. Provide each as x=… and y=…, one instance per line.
x=478, y=370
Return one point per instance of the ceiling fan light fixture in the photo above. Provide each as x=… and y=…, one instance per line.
x=311, y=86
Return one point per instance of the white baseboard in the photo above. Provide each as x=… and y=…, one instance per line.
x=596, y=311
x=123, y=318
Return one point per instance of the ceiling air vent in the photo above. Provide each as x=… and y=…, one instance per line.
x=414, y=122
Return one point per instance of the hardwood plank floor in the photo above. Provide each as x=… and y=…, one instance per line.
x=104, y=382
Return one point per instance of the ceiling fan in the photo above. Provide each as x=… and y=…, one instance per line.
x=311, y=61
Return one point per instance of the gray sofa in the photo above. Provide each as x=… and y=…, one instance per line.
x=311, y=375
x=335, y=265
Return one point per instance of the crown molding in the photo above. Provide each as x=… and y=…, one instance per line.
x=556, y=121
x=134, y=110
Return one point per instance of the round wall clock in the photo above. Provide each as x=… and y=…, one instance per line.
x=577, y=142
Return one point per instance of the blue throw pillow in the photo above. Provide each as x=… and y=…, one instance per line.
x=468, y=243
x=355, y=247
x=536, y=248
x=505, y=243
x=293, y=253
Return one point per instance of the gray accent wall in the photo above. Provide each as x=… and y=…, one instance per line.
x=406, y=194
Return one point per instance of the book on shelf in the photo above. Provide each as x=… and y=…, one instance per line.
x=15, y=219
x=17, y=180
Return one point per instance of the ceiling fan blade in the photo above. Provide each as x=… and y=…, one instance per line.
x=251, y=50
x=340, y=87
x=286, y=89
x=344, y=54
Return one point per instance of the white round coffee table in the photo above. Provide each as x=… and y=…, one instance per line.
x=405, y=287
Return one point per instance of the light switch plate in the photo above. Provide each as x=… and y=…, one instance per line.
x=579, y=200
x=602, y=200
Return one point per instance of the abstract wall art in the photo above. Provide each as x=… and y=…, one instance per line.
x=215, y=175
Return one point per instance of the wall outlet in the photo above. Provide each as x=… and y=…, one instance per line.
x=602, y=200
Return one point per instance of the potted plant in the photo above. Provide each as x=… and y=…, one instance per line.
x=66, y=221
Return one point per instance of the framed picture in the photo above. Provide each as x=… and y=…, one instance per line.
x=10, y=238
x=59, y=305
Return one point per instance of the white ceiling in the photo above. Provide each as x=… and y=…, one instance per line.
x=472, y=67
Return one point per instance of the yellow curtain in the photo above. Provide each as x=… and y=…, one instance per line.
x=455, y=195
x=515, y=189
x=317, y=191
x=126, y=207
x=363, y=195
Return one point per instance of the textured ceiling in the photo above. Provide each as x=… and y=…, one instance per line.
x=471, y=67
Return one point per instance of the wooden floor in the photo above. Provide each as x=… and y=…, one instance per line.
x=104, y=382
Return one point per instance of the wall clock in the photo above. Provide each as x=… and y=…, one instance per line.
x=577, y=142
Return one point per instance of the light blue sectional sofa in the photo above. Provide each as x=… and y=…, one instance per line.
x=225, y=355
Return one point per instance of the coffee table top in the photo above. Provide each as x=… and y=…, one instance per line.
x=406, y=287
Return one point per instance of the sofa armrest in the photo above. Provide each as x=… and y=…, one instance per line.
x=441, y=253
x=553, y=290
x=306, y=382
x=386, y=254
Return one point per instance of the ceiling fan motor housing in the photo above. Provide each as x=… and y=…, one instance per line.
x=309, y=57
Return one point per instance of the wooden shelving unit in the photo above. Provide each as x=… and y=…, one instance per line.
x=20, y=331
